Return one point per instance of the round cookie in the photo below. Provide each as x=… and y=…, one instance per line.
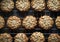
x=2, y=22
x=54, y=38
x=37, y=37
x=57, y=21
x=53, y=5
x=14, y=22
x=22, y=5
x=7, y=5
x=38, y=5
x=20, y=37
x=5, y=37
x=46, y=22
x=29, y=22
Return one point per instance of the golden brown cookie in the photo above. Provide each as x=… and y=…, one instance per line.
x=20, y=37
x=46, y=22
x=38, y=5
x=53, y=5
x=29, y=22
x=22, y=5
x=7, y=5
x=37, y=37
x=54, y=38
x=2, y=22
x=57, y=21
x=5, y=37
x=14, y=22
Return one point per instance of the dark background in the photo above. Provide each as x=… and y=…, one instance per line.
x=23, y=15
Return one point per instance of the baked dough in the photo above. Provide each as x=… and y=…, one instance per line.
x=46, y=22
x=53, y=5
x=57, y=21
x=54, y=38
x=21, y=37
x=37, y=37
x=29, y=22
x=13, y=22
x=7, y=5
x=38, y=5
x=22, y=5
x=5, y=37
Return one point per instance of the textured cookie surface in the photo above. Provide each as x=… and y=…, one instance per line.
x=53, y=5
x=22, y=5
x=7, y=5
x=21, y=37
x=2, y=22
x=54, y=38
x=58, y=22
x=29, y=22
x=37, y=37
x=14, y=22
x=46, y=22
x=5, y=37
x=38, y=5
